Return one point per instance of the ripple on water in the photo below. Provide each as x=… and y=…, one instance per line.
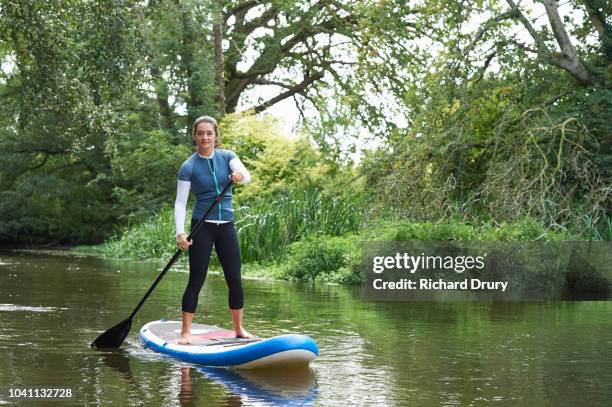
x=14, y=307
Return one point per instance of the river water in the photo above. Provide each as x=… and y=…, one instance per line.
x=412, y=353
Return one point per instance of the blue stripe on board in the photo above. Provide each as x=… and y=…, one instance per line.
x=240, y=354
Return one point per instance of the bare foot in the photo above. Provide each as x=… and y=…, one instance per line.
x=242, y=333
x=184, y=339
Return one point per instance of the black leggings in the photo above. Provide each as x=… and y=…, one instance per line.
x=225, y=239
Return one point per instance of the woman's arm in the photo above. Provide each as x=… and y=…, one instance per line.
x=237, y=166
x=180, y=206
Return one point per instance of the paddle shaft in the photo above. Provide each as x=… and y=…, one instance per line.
x=179, y=251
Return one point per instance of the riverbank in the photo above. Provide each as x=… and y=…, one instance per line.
x=318, y=257
x=309, y=257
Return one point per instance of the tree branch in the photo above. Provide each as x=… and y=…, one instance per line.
x=268, y=60
x=523, y=46
x=503, y=16
x=242, y=29
x=604, y=31
x=542, y=48
x=261, y=81
x=568, y=59
x=299, y=108
x=487, y=62
x=300, y=87
x=240, y=8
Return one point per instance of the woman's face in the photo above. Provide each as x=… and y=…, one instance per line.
x=205, y=136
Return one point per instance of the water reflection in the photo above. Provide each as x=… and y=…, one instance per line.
x=117, y=359
x=261, y=387
x=284, y=387
x=186, y=394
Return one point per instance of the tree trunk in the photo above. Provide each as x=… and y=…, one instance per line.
x=161, y=95
x=604, y=30
x=218, y=40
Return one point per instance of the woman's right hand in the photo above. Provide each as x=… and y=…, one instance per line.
x=182, y=242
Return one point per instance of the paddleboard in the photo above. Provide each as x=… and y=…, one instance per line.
x=214, y=346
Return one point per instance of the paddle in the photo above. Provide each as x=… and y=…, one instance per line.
x=114, y=337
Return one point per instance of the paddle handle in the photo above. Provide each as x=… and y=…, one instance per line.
x=179, y=251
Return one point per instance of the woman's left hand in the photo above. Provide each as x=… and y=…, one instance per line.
x=236, y=176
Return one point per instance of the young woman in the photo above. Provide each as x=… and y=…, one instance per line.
x=206, y=173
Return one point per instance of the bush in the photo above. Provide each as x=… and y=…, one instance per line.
x=526, y=229
x=326, y=258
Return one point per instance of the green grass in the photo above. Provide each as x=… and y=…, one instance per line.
x=153, y=239
x=526, y=229
x=598, y=229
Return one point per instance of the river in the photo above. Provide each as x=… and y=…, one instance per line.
x=371, y=353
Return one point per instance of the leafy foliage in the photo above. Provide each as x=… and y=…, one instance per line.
x=72, y=63
x=527, y=138
x=474, y=121
x=325, y=259
x=267, y=228
x=144, y=169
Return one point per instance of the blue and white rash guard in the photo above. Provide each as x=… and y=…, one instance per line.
x=207, y=176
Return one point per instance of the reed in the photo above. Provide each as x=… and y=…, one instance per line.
x=152, y=239
x=266, y=229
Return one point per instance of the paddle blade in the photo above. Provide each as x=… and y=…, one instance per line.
x=114, y=337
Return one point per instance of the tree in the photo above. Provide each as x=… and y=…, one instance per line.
x=503, y=126
x=73, y=63
x=322, y=54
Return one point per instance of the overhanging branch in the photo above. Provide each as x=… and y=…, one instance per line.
x=299, y=88
x=568, y=59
